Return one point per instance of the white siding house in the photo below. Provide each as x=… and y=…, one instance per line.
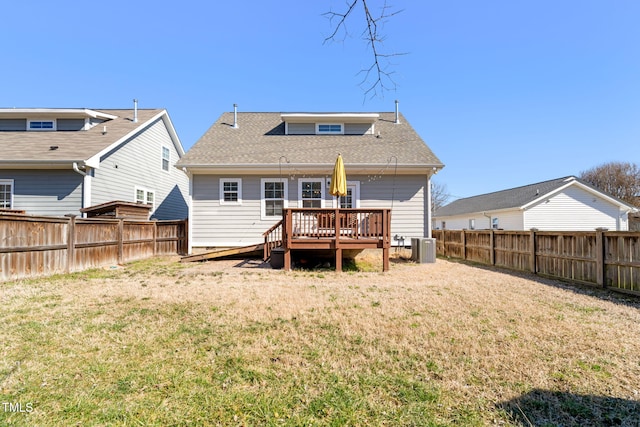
x=57, y=161
x=248, y=166
x=564, y=204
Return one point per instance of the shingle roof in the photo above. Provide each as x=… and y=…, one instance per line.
x=23, y=146
x=506, y=199
x=260, y=140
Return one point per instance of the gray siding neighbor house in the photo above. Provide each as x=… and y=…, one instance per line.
x=248, y=167
x=56, y=161
x=562, y=204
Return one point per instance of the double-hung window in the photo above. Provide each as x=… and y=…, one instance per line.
x=145, y=196
x=166, y=158
x=274, y=197
x=230, y=191
x=311, y=193
x=6, y=193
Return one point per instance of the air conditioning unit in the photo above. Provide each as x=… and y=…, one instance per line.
x=423, y=250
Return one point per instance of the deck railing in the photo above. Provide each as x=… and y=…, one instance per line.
x=272, y=239
x=351, y=224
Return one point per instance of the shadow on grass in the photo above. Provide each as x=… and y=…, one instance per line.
x=554, y=408
x=576, y=287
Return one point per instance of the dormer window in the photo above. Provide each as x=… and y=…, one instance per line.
x=329, y=128
x=41, y=125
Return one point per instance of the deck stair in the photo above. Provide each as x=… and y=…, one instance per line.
x=221, y=253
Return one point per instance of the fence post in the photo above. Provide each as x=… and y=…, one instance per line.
x=600, y=258
x=492, y=249
x=71, y=243
x=121, y=241
x=532, y=250
x=155, y=237
x=464, y=244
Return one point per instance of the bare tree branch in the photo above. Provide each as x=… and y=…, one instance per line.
x=377, y=78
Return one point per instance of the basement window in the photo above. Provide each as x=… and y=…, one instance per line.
x=41, y=125
x=329, y=128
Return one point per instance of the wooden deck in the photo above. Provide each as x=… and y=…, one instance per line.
x=318, y=229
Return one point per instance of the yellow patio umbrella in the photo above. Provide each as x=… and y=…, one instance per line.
x=338, y=179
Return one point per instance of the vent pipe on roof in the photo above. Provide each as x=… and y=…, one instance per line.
x=135, y=111
x=397, y=113
x=235, y=116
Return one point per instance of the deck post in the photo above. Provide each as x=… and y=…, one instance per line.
x=338, y=259
x=287, y=259
x=287, y=228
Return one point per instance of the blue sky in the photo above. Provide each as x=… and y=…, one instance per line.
x=505, y=92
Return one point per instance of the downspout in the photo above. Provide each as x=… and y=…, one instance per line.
x=86, y=185
x=429, y=205
x=488, y=216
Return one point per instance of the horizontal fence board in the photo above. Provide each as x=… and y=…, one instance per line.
x=599, y=258
x=37, y=246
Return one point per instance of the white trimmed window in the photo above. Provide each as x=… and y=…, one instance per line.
x=329, y=128
x=145, y=196
x=311, y=193
x=6, y=193
x=41, y=124
x=494, y=223
x=230, y=191
x=273, y=197
x=166, y=158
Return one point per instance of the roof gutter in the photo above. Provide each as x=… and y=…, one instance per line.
x=77, y=169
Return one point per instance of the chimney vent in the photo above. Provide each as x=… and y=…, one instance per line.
x=397, y=113
x=235, y=116
x=135, y=111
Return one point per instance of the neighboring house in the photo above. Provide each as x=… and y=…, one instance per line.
x=563, y=204
x=249, y=166
x=56, y=161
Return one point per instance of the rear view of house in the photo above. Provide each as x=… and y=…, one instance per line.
x=58, y=161
x=249, y=168
x=563, y=204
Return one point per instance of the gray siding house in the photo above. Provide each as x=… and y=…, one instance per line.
x=562, y=204
x=56, y=161
x=249, y=166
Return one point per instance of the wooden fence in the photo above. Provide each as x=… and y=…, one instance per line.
x=37, y=246
x=600, y=258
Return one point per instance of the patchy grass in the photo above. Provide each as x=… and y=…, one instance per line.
x=160, y=343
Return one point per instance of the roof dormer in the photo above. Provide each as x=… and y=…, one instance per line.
x=50, y=119
x=329, y=123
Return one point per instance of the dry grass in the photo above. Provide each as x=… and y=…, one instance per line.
x=231, y=343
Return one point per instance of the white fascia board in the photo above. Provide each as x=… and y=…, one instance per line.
x=341, y=117
x=39, y=164
x=172, y=132
x=94, y=161
x=322, y=168
x=55, y=112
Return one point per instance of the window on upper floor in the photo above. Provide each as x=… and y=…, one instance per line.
x=329, y=128
x=6, y=193
x=230, y=191
x=166, y=158
x=41, y=125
